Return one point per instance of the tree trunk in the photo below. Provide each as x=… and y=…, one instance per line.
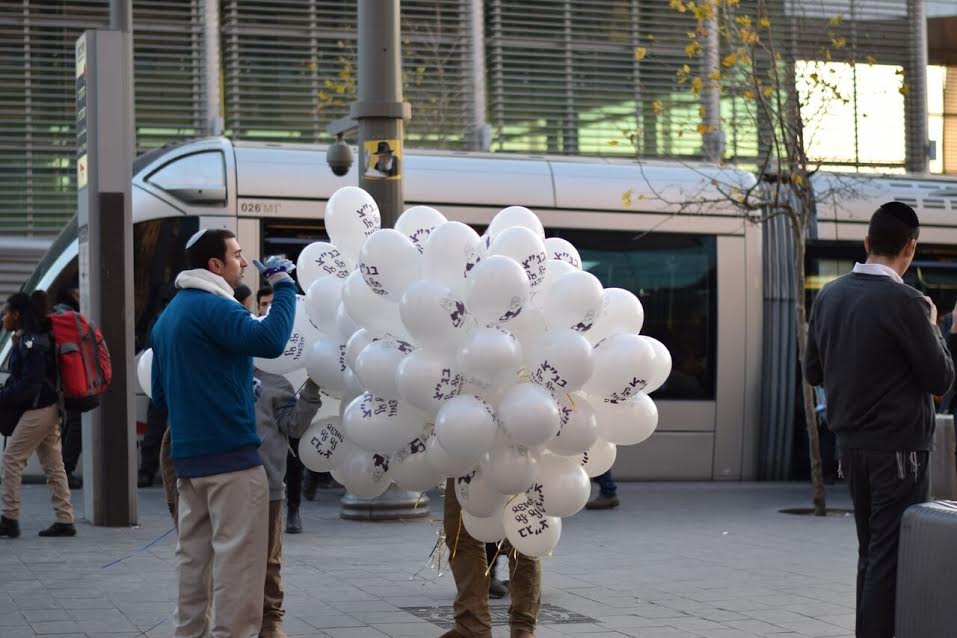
x=810, y=415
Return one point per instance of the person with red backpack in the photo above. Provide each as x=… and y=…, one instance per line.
x=30, y=404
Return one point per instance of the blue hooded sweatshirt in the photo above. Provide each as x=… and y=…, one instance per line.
x=203, y=345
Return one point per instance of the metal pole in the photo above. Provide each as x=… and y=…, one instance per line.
x=481, y=135
x=380, y=110
x=212, y=64
x=915, y=103
x=713, y=138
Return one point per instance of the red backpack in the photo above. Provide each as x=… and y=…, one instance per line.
x=82, y=358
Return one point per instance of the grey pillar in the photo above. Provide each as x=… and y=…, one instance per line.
x=212, y=64
x=380, y=110
x=712, y=142
x=105, y=231
x=915, y=75
x=481, y=135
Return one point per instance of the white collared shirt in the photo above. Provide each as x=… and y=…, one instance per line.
x=877, y=269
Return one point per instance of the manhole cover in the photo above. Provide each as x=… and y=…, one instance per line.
x=444, y=617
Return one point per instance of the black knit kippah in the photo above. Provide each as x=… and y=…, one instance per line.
x=901, y=212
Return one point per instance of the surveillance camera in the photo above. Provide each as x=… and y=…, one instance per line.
x=339, y=157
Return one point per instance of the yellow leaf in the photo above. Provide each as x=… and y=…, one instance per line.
x=904, y=90
x=651, y=37
x=798, y=179
x=835, y=20
x=871, y=60
x=748, y=36
x=704, y=129
x=729, y=60
x=696, y=85
x=612, y=142
x=692, y=49
x=678, y=6
x=657, y=107
x=764, y=23
x=715, y=75
x=744, y=21
x=767, y=91
x=839, y=42
x=748, y=95
x=312, y=66
x=640, y=53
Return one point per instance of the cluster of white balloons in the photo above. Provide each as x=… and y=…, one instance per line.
x=494, y=360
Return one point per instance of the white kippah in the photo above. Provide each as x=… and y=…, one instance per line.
x=195, y=238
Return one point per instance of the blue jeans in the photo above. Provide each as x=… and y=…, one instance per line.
x=606, y=484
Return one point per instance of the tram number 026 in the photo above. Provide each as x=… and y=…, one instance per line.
x=258, y=208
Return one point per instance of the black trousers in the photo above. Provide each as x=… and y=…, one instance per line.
x=150, y=448
x=294, y=472
x=882, y=485
x=72, y=435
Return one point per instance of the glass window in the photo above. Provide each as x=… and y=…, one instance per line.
x=289, y=236
x=201, y=170
x=675, y=277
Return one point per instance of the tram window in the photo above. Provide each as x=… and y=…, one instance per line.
x=159, y=255
x=199, y=178
x=288, y=237
x=675, y=277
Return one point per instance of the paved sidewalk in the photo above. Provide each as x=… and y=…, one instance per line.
x=676, y=560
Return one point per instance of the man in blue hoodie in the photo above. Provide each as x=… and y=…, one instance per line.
x=203, y=345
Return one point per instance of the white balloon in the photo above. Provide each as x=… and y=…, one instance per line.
x=623, y=365
x=529, y=529
x=598, y=459
x=368, y=309
x=351, y=216
x=389, y=263
x=318, y=261
x=525, y=247
x=488, y=529
x=553, y=270
x=476, y=496
x=351, y=389
x=346, y=326
x=579, y=426
x=562, y=250
x=325, y=365
x=529, y=328
x=410, y=467
x=365, y=474
x=626, y=422
x=515, y=216
x=508, y=467
x=465, y=426
x=662, y=367
x=621, y=311
x=322, y=302
x=562, y=487
x=445, y=464
x=377, y=365
x=489, y=355
x=323, y=447
x=573, y=301
x=417, y=224
x=144, y=372
x=381, y=425
x=449, y=254
x=529, y=415
x=498, y=290
x=426, y=379
x=293, y=356
x=561, y=362
x=356, y=344
x=434, y=316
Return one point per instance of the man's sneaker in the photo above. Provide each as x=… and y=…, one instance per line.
x=602, y=502
x=293, y=522
x=145, y=480
x=497, y=588
x=9, y=527
x=74, y=482
x=58, y=529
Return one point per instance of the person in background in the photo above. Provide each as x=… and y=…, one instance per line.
x=874, y=344
x=68, y=299
x=31, y=393
x=244, y=295
x=263, y=300
x=607, y=493
x=203, y=346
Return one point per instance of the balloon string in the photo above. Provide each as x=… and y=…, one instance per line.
x=458, y=533
x=498, y=552
x=571, y=400
x=513, y=564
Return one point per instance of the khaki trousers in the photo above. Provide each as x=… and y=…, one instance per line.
x=223, y=529
x=471, y=582
x=272, y=598
x=38, y=430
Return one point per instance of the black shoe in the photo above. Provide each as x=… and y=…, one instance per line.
x=602, y=502
x=293, y=522
x=145, y=480
x=58, y=529
x=9, y=527
x=497, y=588
x=74, y=482
x=310, y=483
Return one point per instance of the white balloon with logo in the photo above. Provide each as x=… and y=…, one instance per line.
x=498, y=290
x=561, y=362
x=466, y=426
x=515, y=216
x=428, y=379
x=368, y=309
x=563, y=250
x=410, y=466
x=144, y=372
x=320, y=260
x=326, y=364
x=477, y=496
x=490, y=355
x=529, y=529
x=529, y=415
x=351, y=389
x=449, y=254
x=417, y=224
x=293, y=356
x=324, y=446
x=553, y=270
x=364, y=474
x=562, y=487
x=626, y=422
x=378, y=363
x=662, y=368
x=445, y=464
x=322, y=302
x=579, y=426
x=351, y=216
x=529, y=328
x=525, y=247
x=488, y=529
x=621, y=311
x=598, y=459
x=509, y=467
x=623, y=365
x=356, y=344
x=389, y=263
x=434, y=315
x=573, y=301
x=381, y=425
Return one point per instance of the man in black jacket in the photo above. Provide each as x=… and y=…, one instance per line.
x=874, y=344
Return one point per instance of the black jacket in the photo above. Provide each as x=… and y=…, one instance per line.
x=33, y=374
x=880, y=359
